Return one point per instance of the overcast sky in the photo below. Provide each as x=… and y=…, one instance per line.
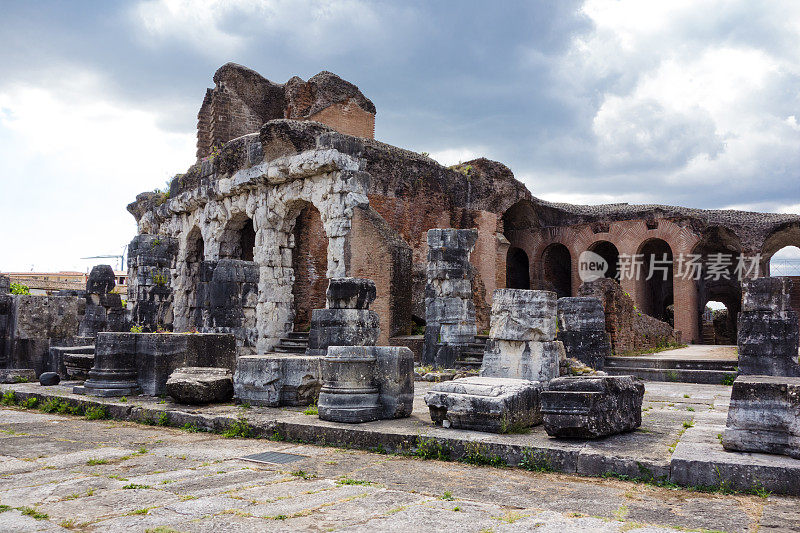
x=688, y=102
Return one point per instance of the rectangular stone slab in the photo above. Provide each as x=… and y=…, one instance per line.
x=764, y=416
x=592, y=407
x=494, y=405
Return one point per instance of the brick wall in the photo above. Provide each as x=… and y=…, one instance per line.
x=377, y=252
x=349, y=118
x=310, y=264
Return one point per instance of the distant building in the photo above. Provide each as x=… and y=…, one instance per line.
x=46, y=283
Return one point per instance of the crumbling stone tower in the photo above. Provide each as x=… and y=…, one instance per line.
x=242, y=100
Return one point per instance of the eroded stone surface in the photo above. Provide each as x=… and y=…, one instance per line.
x=523, y=315
x=582, y=329
x=200, y=385
x=592, y=407
x=531, y=360
x=495, y=405
x=277, y=379
x=763, y=415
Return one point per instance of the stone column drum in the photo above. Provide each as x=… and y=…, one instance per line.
x=522, y=341
x=349, y=392
x=449, y=309
x=114, y=370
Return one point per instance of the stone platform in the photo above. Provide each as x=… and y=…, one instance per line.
x=679, y=439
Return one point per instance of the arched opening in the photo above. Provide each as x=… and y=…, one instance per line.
x=610, y=254
x=239, y=239
x=195, y=255
x=716, y=257
x=786, y=263
x=557, y=269
x=517, y=269
x=656, y=277
x=719, y=327
x=310, y=265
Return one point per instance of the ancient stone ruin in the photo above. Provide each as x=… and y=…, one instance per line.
x=449, y=309
x=582, y=330
x=765, y=399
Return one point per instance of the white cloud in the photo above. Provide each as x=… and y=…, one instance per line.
x=704, y=93
x=73, y=158
x=225, y=27
x=454, y=156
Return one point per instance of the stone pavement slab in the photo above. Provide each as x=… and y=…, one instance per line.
x=329, y=489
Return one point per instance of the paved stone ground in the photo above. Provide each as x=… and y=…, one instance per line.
x=723, y=352
x=119, y=476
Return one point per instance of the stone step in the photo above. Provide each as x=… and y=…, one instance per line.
x=289, y=350
x=293, y=343
x=483, y=338
x=671, y=364
x=299, y=335
x=709, y=377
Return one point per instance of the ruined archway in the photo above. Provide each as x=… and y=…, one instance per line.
x=557, y=269
x=517, y=269
x=655, y=278
x=713, y=266
x=610, y=254
x=309, y=264
x=238, y=239
x=194, y=257
x=718, y=324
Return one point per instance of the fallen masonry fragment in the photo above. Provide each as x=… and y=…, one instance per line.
x=200, y=385
x=589, y=407
x=495, y=405
x=764, y=416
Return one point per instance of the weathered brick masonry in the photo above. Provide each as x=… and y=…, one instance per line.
x=296, y=166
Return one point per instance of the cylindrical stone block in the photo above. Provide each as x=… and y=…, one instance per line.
x=349, y=392
x=523, y=315
x=114, y=370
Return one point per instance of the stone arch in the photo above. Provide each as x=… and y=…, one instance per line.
x=517, y=269
x=238, y=239
x=608, y=251
x=556, y=271
x=717, y=253
x=656, y=278
x=786, y=235
x=309, y=251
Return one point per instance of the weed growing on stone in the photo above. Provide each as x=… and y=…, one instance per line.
x=139, y=512
x=476, y=454
x=311, y=410
x=30, y=403
x=191, y=428
x=456, y=508
x=350, y=481
x=447, y=496
x=303, y=474
x=432, y=449
x=134, y=486
x=728, y=380
x=68, y=523
x=535, y=461
x=690, y=409
x=96, y=413
x=9, y=398
x=4, y=508
x=163, y=419
x=95, y=462
x=241, y=428
x=33, y=513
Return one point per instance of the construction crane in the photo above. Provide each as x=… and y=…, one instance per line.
x=121, y=258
